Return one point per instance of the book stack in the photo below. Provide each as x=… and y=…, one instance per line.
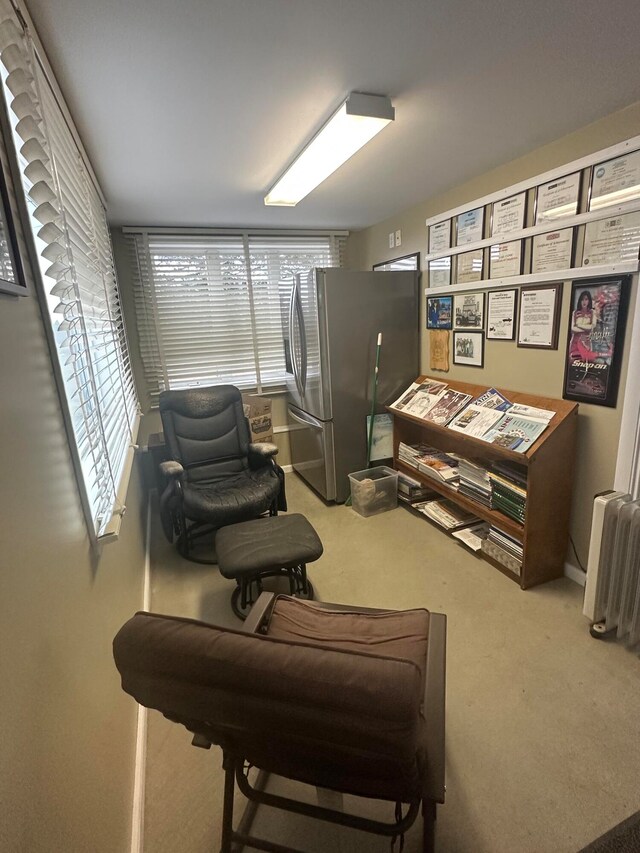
x=446, y=514
x=409, y=453
x=508, y=496
x=474, y=482
x=410, y=491
x=503, y=548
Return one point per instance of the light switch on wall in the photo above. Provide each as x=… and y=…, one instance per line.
x=398, y=237
x=392, y=240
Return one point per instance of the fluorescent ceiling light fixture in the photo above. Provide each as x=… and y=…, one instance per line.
x=355, y=122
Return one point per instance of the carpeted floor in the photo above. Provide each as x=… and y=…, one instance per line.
x=543, y=732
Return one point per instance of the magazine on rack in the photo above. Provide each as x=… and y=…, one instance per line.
x=516, y=433
x=427, y=387
x=493, y=399
x=531, y=413
x=447, y=407
x=475, y=420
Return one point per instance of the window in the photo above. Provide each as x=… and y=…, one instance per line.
x=72, y=241
x=210, y=309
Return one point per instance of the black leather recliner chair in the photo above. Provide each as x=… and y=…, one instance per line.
x=214, y=475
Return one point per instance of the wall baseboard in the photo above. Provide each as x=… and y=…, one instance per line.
x=139, y=773
x=575, y=574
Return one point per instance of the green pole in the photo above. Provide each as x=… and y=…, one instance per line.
x=373, y=397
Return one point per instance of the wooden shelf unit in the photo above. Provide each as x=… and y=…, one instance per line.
x=549, y=463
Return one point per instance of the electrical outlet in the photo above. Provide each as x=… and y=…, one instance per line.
x=398, y=237
x=392, y=240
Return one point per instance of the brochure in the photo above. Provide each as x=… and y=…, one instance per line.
x=421, y=403
x=475, y=420
x=447, y=407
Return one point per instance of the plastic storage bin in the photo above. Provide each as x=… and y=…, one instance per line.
x=374, y=490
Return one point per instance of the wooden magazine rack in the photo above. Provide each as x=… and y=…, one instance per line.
x=549, y=463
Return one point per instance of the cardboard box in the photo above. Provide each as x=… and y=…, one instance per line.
x=257, y=410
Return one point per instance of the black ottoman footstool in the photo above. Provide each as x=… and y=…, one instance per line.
x=263, y=548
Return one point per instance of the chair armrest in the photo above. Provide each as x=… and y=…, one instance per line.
x=171, y=468
x=259, y=613
x=261, y=454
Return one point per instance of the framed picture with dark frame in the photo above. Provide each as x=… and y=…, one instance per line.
x=468, y=348
x=406, y=262
x=539, y=318
x=595, y=338
x=439, y=312
x=12, y=278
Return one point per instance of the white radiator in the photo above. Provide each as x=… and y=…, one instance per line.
x=612, y=590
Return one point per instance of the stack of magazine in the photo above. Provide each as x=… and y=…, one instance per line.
x=503, y=548
x=446, y=514
x=474, y=482
x=430, y=461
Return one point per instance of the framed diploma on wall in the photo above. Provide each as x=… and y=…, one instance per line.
x=552, y=251
x=558, y=198
x=440, y=236
x=608, y=241
x=505, y=259
x=469, y=266
x=469, y=226
x=539, y=316
x=507, y=216
x=440, y=272
x=615, y=181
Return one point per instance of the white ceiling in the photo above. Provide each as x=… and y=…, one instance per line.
x=190, y=110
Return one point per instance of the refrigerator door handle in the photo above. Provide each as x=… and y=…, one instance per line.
x=303, y=340
x=292, y=307
x=306, y=420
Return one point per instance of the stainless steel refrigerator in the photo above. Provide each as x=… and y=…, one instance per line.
x=333, y=318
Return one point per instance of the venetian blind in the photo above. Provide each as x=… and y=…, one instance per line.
x=73, y=243
x=210, y=309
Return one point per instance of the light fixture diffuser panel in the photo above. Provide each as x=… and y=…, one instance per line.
x=357, y=120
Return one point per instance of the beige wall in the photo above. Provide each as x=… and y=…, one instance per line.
x=506, y=365
x=67, y=730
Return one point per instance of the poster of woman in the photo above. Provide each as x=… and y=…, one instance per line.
x=597, y=318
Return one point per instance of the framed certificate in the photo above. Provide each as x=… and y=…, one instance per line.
x=539, y=316
x=552, y=251
x=468, y=311
x=440, y=236
x=501, y=315
x=469, y=226
x=470, y=266
x=505, y=259
x=608, y=241
x=508, y=215
x=440, y=272
x=597, y=318
x=615, y=181
x=558, y=198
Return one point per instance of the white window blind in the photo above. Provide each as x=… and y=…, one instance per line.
x=210, y=309
x=72, y=240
